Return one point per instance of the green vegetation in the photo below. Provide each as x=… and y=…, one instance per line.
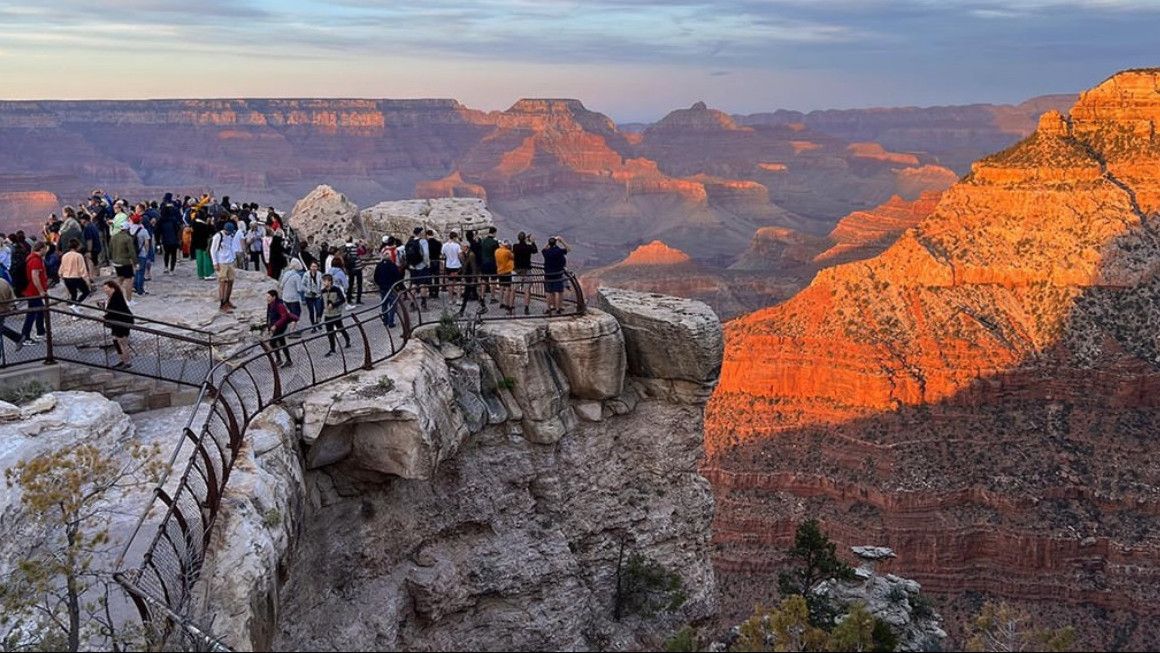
x=645, y=588
x=683, y=641
x=1002, y=627
x=56, y=599
x=816, y=559
x=449, y=331
x=23, y=393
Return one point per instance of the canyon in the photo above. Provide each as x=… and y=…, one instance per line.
x=981, y=396
x=699, y=180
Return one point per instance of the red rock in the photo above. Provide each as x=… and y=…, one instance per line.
x=982, y=396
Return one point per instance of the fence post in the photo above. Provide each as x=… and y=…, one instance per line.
x=49, y=359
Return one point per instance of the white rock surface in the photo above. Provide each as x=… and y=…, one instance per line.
x=399, y=218
x=327, y=216
x=892, y=600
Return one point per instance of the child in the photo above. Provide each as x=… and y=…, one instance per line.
x=332, y=301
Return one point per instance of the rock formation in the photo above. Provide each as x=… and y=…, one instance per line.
x=443, y=215
x=980, y=396
x=326, y=216
x=865, y=234
x=479, y=495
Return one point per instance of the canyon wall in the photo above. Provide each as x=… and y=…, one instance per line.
x=981, y=396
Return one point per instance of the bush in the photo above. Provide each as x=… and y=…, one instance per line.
x=683, y=641
x=24, y=393
x=645, y=587
x=449, y=331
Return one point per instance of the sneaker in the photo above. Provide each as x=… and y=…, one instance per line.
x=494, y=300
x=37, y=339
x=132, y=302
x=211, y=277
x=527, y=310
x=329, y=353
x=288, y=364
x=74, y=308
x=348, y=345
x=230, y=305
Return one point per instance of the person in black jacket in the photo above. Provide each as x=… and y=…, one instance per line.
x=387, y=274
x=168, y=231
x=199, y=244
x=120, y=319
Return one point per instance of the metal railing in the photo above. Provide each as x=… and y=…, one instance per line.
x=172, y=548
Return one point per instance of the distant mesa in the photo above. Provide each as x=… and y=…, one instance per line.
x=878, y=153
x=773, y=167
x=655, y=253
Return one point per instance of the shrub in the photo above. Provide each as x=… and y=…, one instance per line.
x=645, y=587
x=683, y=641
x=24, y=393
x=449, y=331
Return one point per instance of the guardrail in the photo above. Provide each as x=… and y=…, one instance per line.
x=233, y=392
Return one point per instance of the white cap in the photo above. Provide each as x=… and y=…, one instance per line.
x=385, y=239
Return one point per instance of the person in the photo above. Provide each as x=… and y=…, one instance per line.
x=7, y=305
x=120, y=319
x=452, y=261
x=435, y=249
x=278, y=320
x=291, y=288
x=312, y=291
x=523, y=250
x=20, y=249
x=142, y=242
x=277, y=252
x=34, y=293
x=387, y=274
x=168, y=229
x=202, y=233
x=337, y=271
x=70, y=230
x=470, y=276
x=149, y=220
x=505, y=262
x=240, y=230
x=333, y=299
x=555, y=260
x=123, y=255
x=92, y=237
x=418, y=261
x=487, y=249
x=256, y=236
x=352, y=257
x=52, y=264
x=75, y=274
x=224, y=256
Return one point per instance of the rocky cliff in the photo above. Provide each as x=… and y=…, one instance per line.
x=479, y=495
x=865, y=234
x=982, y=395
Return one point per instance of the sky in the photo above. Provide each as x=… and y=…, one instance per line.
x=632, y=59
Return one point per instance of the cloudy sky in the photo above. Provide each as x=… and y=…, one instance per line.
x=631, y=59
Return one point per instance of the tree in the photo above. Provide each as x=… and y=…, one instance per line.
x=856, y=632
x=1005, y=628
x=55, y=598
x=787, y=628
x=816, y=559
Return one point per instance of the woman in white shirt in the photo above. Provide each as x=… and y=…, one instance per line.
x=452, y=261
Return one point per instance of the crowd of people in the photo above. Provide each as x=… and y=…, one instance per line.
x=220, y=237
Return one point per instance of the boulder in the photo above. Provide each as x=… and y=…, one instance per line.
x=523, y=353
x=443, y=215
x=590, y=351
x=327, y=216
x=667, y=337
x=402, y=418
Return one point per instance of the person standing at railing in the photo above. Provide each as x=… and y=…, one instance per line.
x=34, y=293
x=278, y=320
x=486, y=261
x=92, y=237
x=143, y=242
x=123, y=255
x=120, y=319
x=523, y=251
x=435, y=267
x=505, y=263
x=453, y=261
x=291, y=288
x=312, y=292
x=224, y=254
x=555, y=261
x=333, y=299
x=470, y=278
x=75, y=274
x=418, y=262
x=7, y=305
x=387, y=274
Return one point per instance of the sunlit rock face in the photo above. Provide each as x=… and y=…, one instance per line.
x=864, y=234
x=982, y=396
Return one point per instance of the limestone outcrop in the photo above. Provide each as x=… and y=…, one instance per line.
x=544, y=459
x=442, y=215
x=326, y=216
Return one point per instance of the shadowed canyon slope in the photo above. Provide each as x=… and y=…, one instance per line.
x=698, y=180
x=983, y=396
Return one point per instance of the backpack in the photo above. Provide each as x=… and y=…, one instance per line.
x=413, y=253
x=141, y=240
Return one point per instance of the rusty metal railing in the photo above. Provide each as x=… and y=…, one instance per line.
x=172, y=536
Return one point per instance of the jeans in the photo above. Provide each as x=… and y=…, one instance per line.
x=314, y=306
x=139, y=275
x=388, y=308
x=34, y=317
x=335, y=324
x=355, y=279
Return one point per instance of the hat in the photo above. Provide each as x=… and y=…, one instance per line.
x=385, y=239
x=135, y=218
x=230, y=227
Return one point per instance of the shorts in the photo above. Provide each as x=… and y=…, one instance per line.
x=522, y=276
x=226, y=272
x=505, y=280
x=554, y=282
x=420, y=277
x=123, y=271
x=488, y=267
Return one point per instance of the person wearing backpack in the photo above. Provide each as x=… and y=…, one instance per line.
x=224, y=255
x=487, y=249
x=168, y=231
x=123, y=256
x=20, y=251
x=333, y=299
x=387, y=274
x=143, y=242
x=419, y=261
x=34, y=293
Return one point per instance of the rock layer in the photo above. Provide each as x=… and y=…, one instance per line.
x=979, y=396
